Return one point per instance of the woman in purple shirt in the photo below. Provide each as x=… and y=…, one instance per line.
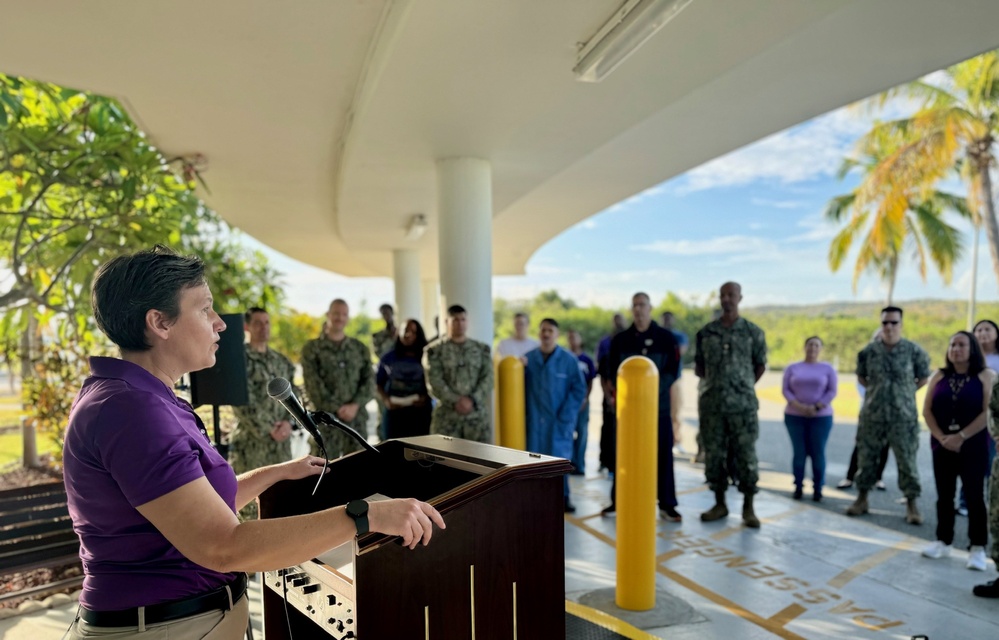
x=153, y=503
x=809, y=388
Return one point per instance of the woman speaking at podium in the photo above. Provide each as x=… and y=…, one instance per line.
x=163, y=552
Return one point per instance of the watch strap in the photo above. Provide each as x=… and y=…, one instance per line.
x=358, y=511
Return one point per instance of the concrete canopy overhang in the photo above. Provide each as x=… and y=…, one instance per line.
x=321, y=120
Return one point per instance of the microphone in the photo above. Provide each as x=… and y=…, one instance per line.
x=281, y=390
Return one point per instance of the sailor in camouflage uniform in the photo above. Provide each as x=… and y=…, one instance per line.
x=263, y=431
x=460, y=372
x=339, y=379
x=991, y=589
x=731, y=356
x=384, y=340
x=891, y=370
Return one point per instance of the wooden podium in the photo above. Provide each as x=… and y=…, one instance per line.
x=497, y=571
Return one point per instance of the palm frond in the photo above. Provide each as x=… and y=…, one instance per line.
x=839, y=207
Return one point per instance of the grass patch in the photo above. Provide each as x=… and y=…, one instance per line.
x=846, y=404
x=11, y=447
x=10, y=411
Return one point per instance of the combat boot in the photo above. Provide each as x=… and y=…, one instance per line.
x=912, y=515
x=859, y=507
x=718, y=511
x=748, y=515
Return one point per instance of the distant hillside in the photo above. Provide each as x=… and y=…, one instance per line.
x=842, y=309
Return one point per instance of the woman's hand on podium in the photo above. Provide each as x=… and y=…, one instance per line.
x=407, y=517
x=302, y=467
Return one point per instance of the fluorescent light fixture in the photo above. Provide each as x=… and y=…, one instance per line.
x=627, y=30
x=417, y=227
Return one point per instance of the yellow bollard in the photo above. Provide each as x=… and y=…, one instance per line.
x=637, y=465
x=512, y=411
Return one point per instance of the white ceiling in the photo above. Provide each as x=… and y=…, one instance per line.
x=322, y=119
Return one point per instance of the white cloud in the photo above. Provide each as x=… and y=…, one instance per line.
x=779, y=204
x=817, y=229
x=722, y=245
x=806, y=152
x=588, y=224
x=756, y=226
x=609, y=289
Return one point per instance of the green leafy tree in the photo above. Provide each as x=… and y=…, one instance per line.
x=954, y=128
x=79, y=185
x=892, y=210
x=292, y=330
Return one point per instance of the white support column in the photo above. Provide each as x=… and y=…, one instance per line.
x=406, y=272
x=431, y=306
x=465, y=228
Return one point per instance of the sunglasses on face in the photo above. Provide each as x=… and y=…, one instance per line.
x=885, y=323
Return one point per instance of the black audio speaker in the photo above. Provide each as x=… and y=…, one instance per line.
x=225, y=383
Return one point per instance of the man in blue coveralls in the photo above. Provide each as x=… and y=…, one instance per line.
x=554, y=390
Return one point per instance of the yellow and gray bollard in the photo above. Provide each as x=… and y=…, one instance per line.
x=512, y=411
x=637, y=466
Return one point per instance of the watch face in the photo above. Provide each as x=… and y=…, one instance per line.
x=357, y=508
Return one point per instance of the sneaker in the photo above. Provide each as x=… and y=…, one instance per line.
x=609, y=511
x=987, y=590
x=976, y=559
x=670, y=514
x=569, y=507
x=937, y=550
x=962, y=511
x=817, y=495
x=797, y=493
x=845, y=483
x=880, y=485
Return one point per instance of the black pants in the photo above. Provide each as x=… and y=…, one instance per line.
x=968, y=463
x=666, y=482
x=608, y=437
x=405, y=422
x=882, y=462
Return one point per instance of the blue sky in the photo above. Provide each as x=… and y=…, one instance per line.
x=754, y=215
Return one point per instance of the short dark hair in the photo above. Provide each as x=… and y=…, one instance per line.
x=339, y=301
x=644, y=295
x=386, y=306
x=521, y=314
x=455, y=309
x=127, y=287
x=809, y=339
x=976, y=359
x=248, y=316
x=897, y=310
x=550, y=321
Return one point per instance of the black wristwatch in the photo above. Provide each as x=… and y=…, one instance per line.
x=358, y=510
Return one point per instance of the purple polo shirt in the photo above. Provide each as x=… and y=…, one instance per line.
x=130, y=440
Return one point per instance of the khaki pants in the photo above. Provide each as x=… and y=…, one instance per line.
x=213, y=625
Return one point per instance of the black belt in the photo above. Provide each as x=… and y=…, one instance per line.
x=167, y=611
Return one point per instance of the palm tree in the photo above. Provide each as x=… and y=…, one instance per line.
x=894, y=213
x=955, y=128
